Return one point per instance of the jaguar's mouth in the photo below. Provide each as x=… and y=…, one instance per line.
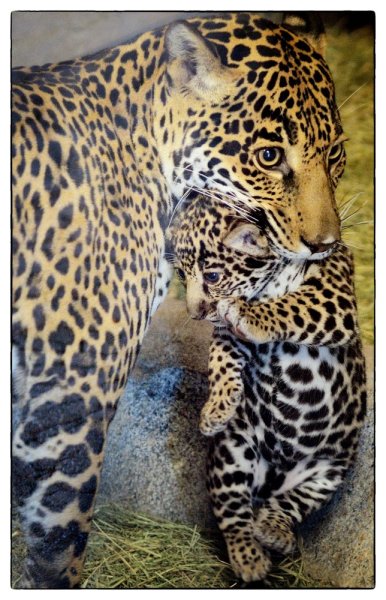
x=305, y=254
x=307, y=251
x=325, y=253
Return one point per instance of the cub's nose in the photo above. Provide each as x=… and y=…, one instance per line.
x=198, y=311
x=319, y=245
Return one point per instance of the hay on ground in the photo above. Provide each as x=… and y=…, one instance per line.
x=133, y=551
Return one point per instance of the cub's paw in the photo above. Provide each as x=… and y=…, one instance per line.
x=248, y=559
x=216, y=413
x=232, y=311
x=275, y=532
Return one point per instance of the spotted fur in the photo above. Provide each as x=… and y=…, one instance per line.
x=102, y=148
x=287, y=378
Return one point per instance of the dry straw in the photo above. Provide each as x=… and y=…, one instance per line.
x=134, y=551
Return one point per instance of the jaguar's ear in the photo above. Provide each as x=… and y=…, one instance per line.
x=192, y=64
x=308, y=25
x=247, y=238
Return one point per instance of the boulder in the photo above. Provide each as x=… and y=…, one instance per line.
x=155, y=459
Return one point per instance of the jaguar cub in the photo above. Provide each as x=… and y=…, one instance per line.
x=286, y=374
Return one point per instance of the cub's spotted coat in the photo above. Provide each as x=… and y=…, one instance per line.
x=288, y=398
x=102, y=148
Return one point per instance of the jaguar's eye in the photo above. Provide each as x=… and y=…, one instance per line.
x=335, y=153
x=269, y=158
x=212, y=277
x=181, y=274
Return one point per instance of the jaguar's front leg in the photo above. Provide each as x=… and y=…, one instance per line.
x=226, y=389
x=58, y=454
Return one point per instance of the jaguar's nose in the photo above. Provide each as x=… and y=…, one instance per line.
x=319, y=245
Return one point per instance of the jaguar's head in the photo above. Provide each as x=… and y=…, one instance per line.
x=253, y=119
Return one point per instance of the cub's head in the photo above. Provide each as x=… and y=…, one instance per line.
x=250, y=113
x=218, y=256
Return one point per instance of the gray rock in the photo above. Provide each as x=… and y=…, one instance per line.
x=155, y=459
x=174, y=340
x=155, y=455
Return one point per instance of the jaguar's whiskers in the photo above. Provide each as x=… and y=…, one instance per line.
x=353, y=94
x=230, y=199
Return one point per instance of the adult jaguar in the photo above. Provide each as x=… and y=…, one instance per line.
x=102, y=148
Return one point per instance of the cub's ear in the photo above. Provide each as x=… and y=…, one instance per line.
x=308, y=25
x=193, y=65
x=247, y=238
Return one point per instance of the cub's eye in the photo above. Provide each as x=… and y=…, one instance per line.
x=181, y=274
x=269, y=158
x=335, y=153
x=212, y=277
